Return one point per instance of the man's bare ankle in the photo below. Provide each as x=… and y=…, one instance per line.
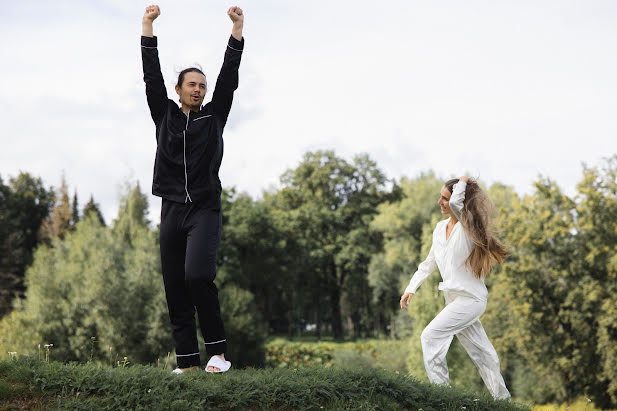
x=191, y=368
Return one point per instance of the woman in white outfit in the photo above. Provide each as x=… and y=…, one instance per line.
x=464, y=249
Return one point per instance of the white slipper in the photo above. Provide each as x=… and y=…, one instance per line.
x=177, y=371
x=216, y=361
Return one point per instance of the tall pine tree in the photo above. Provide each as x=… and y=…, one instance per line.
x=59, y=221
x=92, y=208
x=75, y=211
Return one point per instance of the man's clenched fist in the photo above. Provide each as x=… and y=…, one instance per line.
x=152, y=12
x=236, y=15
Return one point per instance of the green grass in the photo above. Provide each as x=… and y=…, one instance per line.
x=27, y=383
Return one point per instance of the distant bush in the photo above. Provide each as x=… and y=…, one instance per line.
x=380, y=354
x=244, y=328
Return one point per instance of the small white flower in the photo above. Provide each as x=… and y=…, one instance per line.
x=149, y=390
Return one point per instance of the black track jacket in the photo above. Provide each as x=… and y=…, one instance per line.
x=189, y=149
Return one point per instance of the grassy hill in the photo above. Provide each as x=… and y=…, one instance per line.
x=27, y=383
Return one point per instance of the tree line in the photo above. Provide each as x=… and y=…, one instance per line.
x=332, y=248
x=31, y=214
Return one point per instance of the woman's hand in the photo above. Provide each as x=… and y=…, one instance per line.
x=405, y=300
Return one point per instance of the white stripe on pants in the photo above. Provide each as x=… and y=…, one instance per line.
x=460, y=317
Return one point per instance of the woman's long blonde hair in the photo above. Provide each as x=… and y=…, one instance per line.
x=477, y=220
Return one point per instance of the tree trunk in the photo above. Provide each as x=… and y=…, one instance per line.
x=335, y=301
x=290, y=322
x=377, y=328
x=355, y=322
x=318, y=313
x=335, y=307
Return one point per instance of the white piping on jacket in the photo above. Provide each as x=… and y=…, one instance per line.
x=199, y=118
x=186, y=178
x=233, y=48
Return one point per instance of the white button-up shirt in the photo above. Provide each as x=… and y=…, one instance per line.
x=450, y=256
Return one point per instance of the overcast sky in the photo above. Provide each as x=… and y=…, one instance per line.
x=504, y=90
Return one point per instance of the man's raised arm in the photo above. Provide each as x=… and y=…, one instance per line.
x=155, y=86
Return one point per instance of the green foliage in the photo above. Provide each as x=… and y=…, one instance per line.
x=333, y=248
x=74, y=211
x=553, y=300
x=92, y=207
x=283, y=354
x=253, y=256
x=97, y=294
x=597, y=234
x=59, y=221
x=379, y=354
x=401, y=224
x=24, y=205
x=244, y=327
x=93, y=283
x=324, y=207
x=132, y=215
x=88, y=386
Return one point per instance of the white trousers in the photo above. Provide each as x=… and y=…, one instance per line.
x=460, y=317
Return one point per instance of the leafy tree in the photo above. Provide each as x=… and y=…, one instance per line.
x=556, y=283
x=593, y=303
x=24, y=204
x=252, y=256
x=96, y=283
x=6, y=276
x=323, y=200
x=243, y=326
x=97, y=293
x=132, y=214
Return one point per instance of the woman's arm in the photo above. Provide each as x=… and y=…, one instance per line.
x=155, y=86
x=457, y=199
x=424, y=270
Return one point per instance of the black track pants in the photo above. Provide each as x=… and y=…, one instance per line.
x=190, y=237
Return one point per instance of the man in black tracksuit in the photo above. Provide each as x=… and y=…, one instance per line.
x=188, y=157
